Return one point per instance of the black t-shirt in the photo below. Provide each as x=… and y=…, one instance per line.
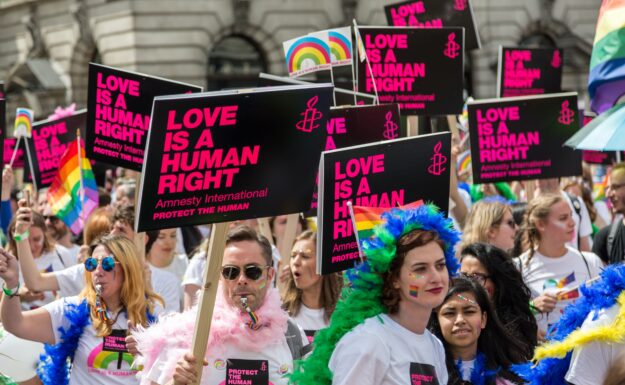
x=600, y=242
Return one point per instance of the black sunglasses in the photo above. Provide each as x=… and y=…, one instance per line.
x=52, y=218
x=253, y=272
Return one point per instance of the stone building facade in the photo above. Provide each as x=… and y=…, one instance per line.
x=46, y=45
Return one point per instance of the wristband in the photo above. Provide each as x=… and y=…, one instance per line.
x=10, y=292
x=21, y=237
x=533, y=308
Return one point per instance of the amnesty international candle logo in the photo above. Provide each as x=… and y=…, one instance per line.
x=556, y=61
x=310, y=116
x=460, y=5
x=566, y=114
x=438, y=161
x=452, y=49
x=391, y=128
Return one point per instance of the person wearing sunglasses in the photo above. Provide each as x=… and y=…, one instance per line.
x=58, y=230
x=250, y=335
x=89, y=328
x=609, y=242
x=309, y=298
x=493, y=269
x=490, y=221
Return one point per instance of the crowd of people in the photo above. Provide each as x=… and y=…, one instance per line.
x=513, y=277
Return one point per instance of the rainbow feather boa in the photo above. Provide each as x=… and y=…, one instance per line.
x=362, y=298
x=552, y=359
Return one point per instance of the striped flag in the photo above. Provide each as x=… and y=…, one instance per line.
x=606, y=80
x=366, y=218
x=340, y=40
x=64, y=195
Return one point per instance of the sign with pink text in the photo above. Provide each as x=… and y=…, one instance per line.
x=351, y=126
x=435, y=14
x=419, y=69
x=49, y=141
x=529, y=71
x=8, y=147
x=118, y=113
x=230, y=155
x=606, y=158
x=522, y=138
x=3, y=127
x=386, y=174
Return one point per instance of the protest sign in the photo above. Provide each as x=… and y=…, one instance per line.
x=528, y=71
x=3, y=129
x=419, y=69
x=18, y=162
x=435, y=14
x=118, y=113
x=230, y=155
x=351, y=126
x=387, y=174
x=522, y=138
x=49, y=140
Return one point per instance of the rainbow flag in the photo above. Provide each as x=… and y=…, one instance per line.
x=560, y=283
x=366, y=218
x=340, y=46
x=23, y=123
x=362, y=52
x=606, y=80
x=307, y=54
x=64, y=193
x=464, y=162
x=568, y=295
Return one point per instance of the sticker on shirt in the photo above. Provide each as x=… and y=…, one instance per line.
x=247, y=372
x=310, y=335
x=422, y=374
x=559, y=284
x=111, y=357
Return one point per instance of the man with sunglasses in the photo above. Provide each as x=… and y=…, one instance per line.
x=251, y=338
x=58, y=230
x=610, y=241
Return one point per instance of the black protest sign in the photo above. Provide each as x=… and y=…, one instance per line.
x=351, y=126
x=19, y=161
x=419, y=69
x=435, y=14
x=118, y=113
x=522, y=138
x=49, y=141
x=529, y=71
x=386, y=174
x=3, y=128
x=224, y=156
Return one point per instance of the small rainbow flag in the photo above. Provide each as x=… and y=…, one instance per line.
x=568, y=295
x=606, y=80
x=362, y=52
x=598, y=189
x=366, y=218
x=307, y=54
x=64, y=194
x=340, y=46
x=464, y=162
x=23, y=122
x=561, y=283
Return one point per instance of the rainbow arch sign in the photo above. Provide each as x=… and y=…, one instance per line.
x=340, y=40
x=307, y=54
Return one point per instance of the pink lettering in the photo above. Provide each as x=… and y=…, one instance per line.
x=117, y=83
x=194, y=117
x=498, y=114
x=360, y=166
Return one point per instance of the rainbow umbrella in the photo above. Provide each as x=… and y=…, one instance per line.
x=604, y=133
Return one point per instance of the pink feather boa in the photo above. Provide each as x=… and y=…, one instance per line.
x=173, y=333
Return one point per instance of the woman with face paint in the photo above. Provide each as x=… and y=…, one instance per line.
x=91, y=327
x=551, y=269
x=494, y=270
x=389, y=302
x=309, y=298
x=478, y=349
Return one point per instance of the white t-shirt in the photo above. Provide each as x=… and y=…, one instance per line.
x=382, y=352
x=177, y=267
x=55, y=260
x=195, y=270
x=590, y=363
x=583, y=228
x=97, y=360
x=71, y=251
x=72, y=281
x=271, y=364
x=558, y=275
x=311, y=320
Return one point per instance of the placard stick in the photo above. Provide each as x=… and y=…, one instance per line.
x=413, y=125
x=265, y=229
x=286, y=243
x=206, y=304
x=17, y=144
x=139, y=237
x=530, y=189
x=453, y=127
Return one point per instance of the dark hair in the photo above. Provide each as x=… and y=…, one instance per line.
x=511, y=297
x=125, y=214
x=518, y=214
x=331, y=285
x=499, y=347
x=415, y=238
x=245, y=233
x=302, y=221
x=104, y=198
x=152, y=236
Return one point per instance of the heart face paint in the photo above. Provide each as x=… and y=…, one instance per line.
x=414, y=291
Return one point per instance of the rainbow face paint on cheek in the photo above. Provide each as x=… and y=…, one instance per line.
x=415, y=276
x=414, y=291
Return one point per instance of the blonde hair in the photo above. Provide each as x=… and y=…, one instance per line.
x=537, y=210
x=483, y=217
x=136, y=296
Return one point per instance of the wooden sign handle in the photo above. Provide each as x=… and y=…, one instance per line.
x=286, y=243
x=206, y=304
x=265, y=229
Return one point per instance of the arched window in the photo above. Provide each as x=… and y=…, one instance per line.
x=234, y=62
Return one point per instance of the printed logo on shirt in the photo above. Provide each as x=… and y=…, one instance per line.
x=422, y=374
x=310, y=335
x=220, y=364
x=247, y=372
x=111, y=358
x=283, y=369
x=559, y=284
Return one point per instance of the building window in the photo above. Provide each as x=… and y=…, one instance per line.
x=234, y=62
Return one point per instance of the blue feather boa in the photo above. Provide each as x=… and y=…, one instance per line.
x=480, y=374
x=601, y=295
x=55, y=362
